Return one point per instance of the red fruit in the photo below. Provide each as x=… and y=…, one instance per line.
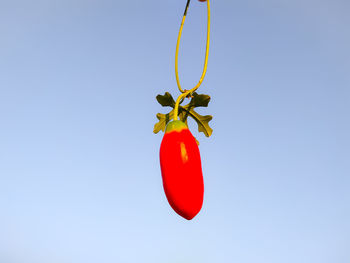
x=180, y=163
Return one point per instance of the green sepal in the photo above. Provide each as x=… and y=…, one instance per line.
x=202, y=122
x=200, y=100
x=166, y=100
x=163, y=121
x=197, y=100
x=175, y=126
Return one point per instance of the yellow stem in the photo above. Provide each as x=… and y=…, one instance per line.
x=184, y=92
x=177, y=54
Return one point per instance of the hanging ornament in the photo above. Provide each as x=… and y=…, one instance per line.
x=180, y=160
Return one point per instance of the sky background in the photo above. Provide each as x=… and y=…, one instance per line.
x=80, y=178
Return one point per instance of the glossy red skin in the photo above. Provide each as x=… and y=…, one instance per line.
x=182, y=173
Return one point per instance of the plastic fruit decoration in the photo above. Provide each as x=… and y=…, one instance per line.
x=181, y=168
x=180, y=160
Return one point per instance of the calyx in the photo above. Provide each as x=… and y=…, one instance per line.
x=197, y=100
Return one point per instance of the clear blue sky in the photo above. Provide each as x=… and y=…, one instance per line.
x=79, y=169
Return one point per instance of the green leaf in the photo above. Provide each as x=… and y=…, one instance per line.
x=163, y=121
x=200, y=100
x=166, y=100
x=202, y=122
x=197, y=100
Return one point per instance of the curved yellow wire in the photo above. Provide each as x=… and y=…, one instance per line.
x=177, y=54
x=185, y=93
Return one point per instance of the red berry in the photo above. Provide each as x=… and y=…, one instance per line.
x=181, y=168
